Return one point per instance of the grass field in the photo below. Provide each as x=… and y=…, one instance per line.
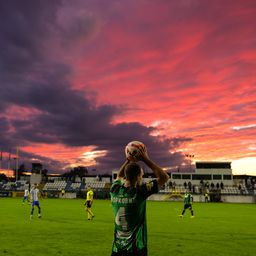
x=218, y=229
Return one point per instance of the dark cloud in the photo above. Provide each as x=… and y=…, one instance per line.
x=24, y=26
x=30, y=79
x=25, y=158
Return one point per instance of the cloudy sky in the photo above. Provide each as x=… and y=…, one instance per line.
x=80, y=79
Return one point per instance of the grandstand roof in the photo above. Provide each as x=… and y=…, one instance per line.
x=213, y=165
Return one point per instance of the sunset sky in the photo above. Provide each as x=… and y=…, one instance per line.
x=80, y=79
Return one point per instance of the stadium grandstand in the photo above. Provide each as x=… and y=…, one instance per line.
x=214, y=179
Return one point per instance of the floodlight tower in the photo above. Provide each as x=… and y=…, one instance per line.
x=190, y=157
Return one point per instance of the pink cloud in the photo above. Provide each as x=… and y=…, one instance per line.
x=189, y=63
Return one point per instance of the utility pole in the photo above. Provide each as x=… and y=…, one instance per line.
x=9, y=161
x=17, y=162
x=1, y=158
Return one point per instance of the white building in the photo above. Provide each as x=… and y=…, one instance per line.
x=211, y=172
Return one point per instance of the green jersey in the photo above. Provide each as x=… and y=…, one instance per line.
x=188, y=199
x=129, y=207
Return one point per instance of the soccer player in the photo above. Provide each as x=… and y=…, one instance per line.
x=34, y=194
x=62, y=192
x=25, y=197
x=88, y=203
x=128, y=197
x=206, y=197
x=188, y=199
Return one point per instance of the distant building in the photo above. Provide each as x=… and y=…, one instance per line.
x=37, y=168
x=213, y=172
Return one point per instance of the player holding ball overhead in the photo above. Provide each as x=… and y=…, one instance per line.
x=128, y=197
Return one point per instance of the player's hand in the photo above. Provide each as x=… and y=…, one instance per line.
x=143, y=155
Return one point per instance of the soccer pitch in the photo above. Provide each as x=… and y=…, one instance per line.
x=217, y=229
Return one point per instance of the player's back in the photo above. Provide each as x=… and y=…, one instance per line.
x=26, y=192
x=89, y=195
x=188, y=198
x=34, y=194
x=129, y=207
x=127, y=203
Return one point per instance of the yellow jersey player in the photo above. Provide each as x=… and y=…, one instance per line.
x=88, y=203
x=206, y=197
x=62, y=192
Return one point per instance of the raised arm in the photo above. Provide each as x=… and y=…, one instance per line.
x=120, y=174
x=161, y=175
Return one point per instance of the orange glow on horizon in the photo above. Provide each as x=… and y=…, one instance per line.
x=7, y=172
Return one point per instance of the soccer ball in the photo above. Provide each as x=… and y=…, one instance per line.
x=134, y=149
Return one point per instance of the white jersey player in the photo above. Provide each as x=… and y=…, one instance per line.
x=25, y=197
x=34, y=194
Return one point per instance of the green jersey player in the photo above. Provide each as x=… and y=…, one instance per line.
x=128, y=197
x=188, y=199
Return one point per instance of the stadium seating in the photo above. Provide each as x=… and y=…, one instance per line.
x=95, y=184
x=21, y=185
x=227, y=190
x=55, y=186
x=104, y=186
x=73, y=186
